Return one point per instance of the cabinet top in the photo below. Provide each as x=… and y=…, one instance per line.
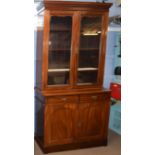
x=76, y=6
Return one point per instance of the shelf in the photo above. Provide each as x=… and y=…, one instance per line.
x=67, y=69
x=89, y=49
x=85, y=83
x=87, y=69
x=82, y=49
x=59, y=70
x=65, y=30
x=59, y=50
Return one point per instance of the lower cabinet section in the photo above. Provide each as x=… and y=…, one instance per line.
x=74, y=121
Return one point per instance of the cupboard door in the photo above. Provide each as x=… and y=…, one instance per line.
x=59, y=54
x=59, y=122
x=89, y=50
x=90, y=119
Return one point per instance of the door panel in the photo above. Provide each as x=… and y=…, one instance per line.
x=59, y=54
x=89, y=49
x=59, y=122
x=90, y=119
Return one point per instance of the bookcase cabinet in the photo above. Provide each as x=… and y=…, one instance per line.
x=71, y=107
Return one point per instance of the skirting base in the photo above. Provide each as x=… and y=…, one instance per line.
x=71, y=146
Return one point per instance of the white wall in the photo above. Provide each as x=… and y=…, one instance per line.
x=114, y=10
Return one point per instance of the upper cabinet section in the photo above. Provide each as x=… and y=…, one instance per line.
x=74, y=44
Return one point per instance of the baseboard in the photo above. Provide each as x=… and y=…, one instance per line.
x=71, y=146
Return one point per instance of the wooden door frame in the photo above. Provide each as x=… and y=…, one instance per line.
x=102, y=51
x=47, y=17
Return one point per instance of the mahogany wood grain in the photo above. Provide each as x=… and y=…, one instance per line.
x=39, y=115
x=106, y=113
x=81, y=15
x=85, y=114
x=75, y=45
x=45, y=47
x=59, y=122
x=70, y=146
x=71, y=119
x=73, y=92
x=72, y=116
x=103, y=47
x=90, y=117
x=76, y=6
x=62, y=99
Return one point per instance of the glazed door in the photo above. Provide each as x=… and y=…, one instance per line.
x=75, y=51
x=59, y=50
x=89, y=50
x=59, y=123
x=90, y=118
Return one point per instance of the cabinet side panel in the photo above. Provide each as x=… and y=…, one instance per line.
x=106, y=100
x=105, y=20
x=39, y=116
x=38, y=61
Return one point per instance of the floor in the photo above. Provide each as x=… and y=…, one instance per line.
x=113, y=148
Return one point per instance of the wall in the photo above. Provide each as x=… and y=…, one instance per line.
x=114, y=10
x=110, y=62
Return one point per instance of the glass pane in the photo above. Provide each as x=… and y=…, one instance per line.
x=59, y=50
x=89, y=49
